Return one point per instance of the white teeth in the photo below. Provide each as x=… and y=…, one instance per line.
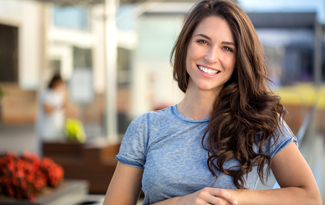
x=208, y=71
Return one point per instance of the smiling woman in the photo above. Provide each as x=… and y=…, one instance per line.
x=211, y=148
x=211, y=57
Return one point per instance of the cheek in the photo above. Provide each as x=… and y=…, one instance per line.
x=232, y=70
x=187, y=62
x=231, y=63
x=193, y=52
x=189, y=57
x=188, y=54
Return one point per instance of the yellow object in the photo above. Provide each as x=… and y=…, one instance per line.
x=74, y=130
x=302, y=94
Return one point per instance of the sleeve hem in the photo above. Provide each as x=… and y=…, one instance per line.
x=127, y=162
x=283, y=145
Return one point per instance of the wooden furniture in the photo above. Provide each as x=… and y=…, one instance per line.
x=93, y=161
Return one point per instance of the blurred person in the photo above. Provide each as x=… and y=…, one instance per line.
x=211, y=147
x=50, y=122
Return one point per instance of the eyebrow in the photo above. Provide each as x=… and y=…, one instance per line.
x=204, y=36
x=228, y=43
x=223, y=42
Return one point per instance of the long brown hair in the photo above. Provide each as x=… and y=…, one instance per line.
x=245, y=107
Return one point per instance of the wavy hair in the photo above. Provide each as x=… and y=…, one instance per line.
x=246, y=113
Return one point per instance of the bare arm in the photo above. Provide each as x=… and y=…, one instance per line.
x=125, y=186
x=298, y=185
x=48, y=108
x=207, y=195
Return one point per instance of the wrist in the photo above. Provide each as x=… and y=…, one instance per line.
x=178, y=200
x=237, y=193
x=171, y=201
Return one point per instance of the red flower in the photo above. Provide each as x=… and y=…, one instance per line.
x=24, y=177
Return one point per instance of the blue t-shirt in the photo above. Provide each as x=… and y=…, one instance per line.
x=168, y=146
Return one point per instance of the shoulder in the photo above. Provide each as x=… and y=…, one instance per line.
x=286, y=131
x=283, y=132
x=135, y=143
x=153, y=117
x=44, y=94
x=286, y=134
x=281, y=138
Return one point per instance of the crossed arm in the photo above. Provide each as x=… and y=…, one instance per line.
x=298, y=186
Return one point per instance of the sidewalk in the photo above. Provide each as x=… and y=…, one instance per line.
x=17, y=138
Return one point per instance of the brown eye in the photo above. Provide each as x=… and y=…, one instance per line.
x=228, y=49
x=202, y=42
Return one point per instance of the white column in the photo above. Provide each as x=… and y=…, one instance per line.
x=111, y=69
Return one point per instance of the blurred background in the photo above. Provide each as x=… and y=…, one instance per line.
x=114, y=59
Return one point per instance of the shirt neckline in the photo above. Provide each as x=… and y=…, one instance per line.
x=179, y=115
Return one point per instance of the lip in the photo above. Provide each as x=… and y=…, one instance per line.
x=208, y=67
x=207, y=75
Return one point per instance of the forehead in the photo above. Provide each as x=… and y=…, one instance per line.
x=214, y=27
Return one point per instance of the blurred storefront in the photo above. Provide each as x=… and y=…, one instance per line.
x=41, y=37
x=47, y=36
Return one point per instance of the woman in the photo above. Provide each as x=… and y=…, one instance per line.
x=51, y=111
x=211, y=148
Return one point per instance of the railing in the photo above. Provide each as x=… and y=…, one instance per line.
x=302, y=131
x=311, y=146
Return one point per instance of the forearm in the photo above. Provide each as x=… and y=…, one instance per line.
x=171, y=201
x=48, y=108
x=289, y=195
x=206, y=195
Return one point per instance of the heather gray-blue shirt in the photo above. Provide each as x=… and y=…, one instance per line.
x=168, y=146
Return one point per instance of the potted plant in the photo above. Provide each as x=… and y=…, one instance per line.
x=26, y=176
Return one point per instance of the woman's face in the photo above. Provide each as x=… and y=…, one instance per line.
x=211, y=55
x=58, y=85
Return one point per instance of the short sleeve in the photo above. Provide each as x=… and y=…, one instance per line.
x=48, y=98
x=271, y=148
x=134, y=144
x=44, y=97
x=52, y=98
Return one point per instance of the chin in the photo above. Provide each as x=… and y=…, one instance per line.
x=207, y=88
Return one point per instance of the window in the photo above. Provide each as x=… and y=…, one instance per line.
x=8, y=53
x=82, y=58
x=72, y=17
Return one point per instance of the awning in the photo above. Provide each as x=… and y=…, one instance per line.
x=93, y=2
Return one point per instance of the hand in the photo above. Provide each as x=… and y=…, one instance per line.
x=208, y=196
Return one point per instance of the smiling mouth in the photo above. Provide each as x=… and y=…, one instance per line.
x=207, y=70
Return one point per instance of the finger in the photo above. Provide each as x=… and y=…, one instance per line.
x=223, y=194
x=213, y=200
x=208, y=198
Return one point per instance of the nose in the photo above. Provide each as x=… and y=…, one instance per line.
x=212, y=55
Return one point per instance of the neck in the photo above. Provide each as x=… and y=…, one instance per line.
x=197, y=104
